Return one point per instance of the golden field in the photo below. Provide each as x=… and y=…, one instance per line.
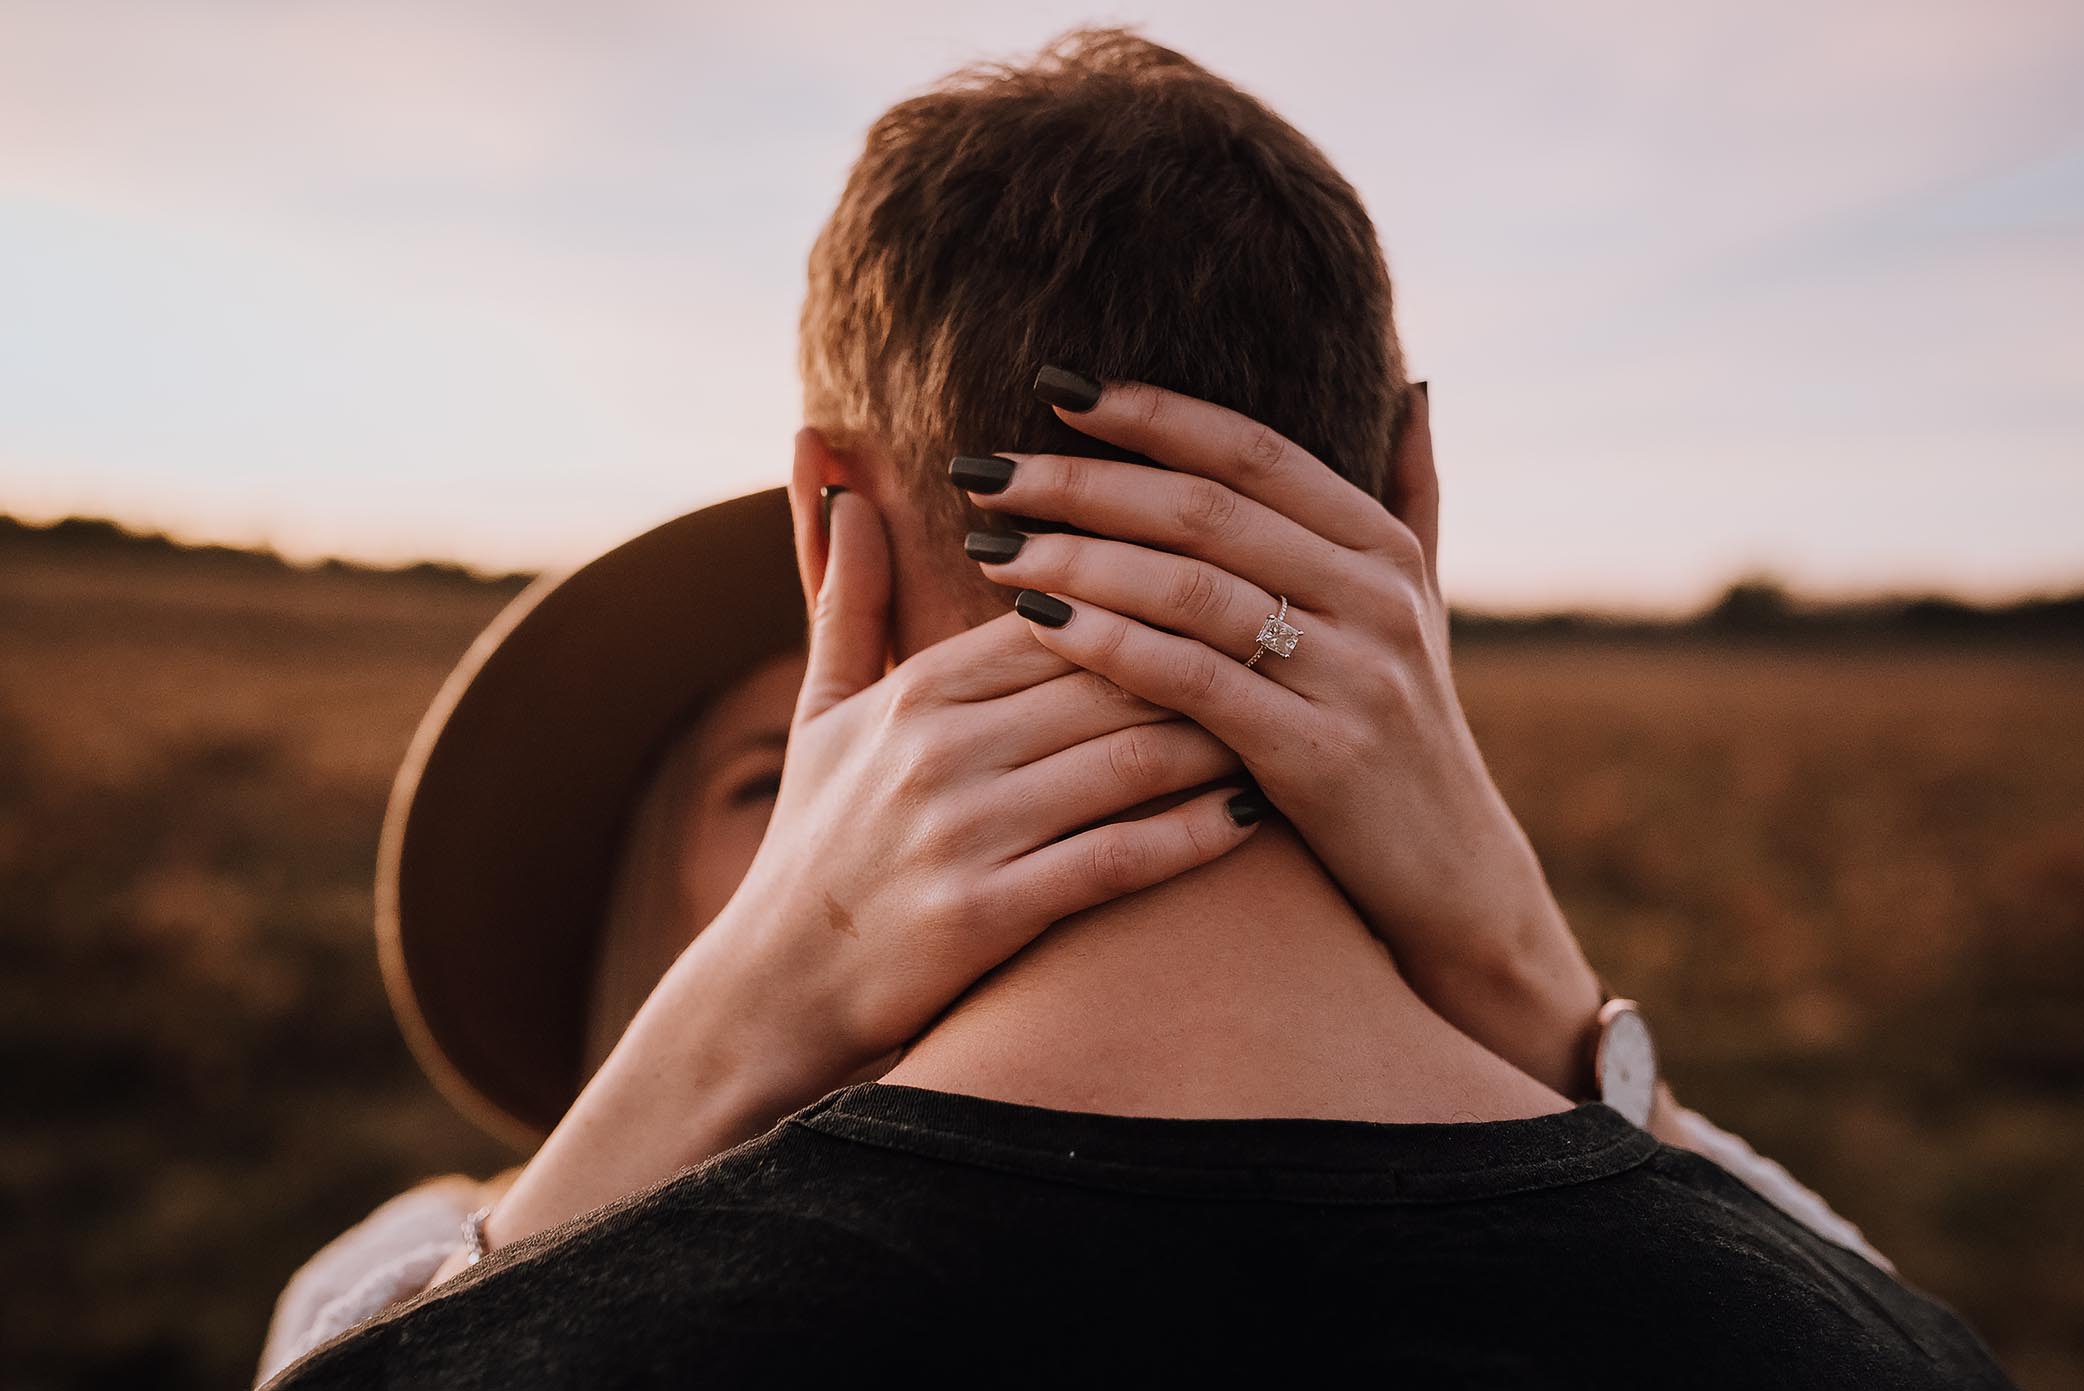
x=1847, y=880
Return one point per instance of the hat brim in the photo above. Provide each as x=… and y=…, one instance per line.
x=499, y=844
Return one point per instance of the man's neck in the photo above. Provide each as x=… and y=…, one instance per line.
x=1247, y=988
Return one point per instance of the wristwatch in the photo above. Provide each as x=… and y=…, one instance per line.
x=1624, y=1060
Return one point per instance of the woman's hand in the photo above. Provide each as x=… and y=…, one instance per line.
x=1358, y=737
x=930, y=823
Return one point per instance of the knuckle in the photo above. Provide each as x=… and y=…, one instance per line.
x=1372, y=585
x=929, y=832
x=909, y=696
x=1135, y=758
x=1392, y=684
x=1384, y=677
x=1403, y=613
x=1203, y=839
x=1118, y=863
x=1070, y=480
x=1108, y=641
x=1198, y=676
x=1208, y=508
x=923, y=765
x=1260, y=452
x=947, y=833
x=1070, y=561
x=1153, y=412
x=1193, y=592
x=1044, y=558
x=950, y=900
x=1399, y=543
x=1378, y=527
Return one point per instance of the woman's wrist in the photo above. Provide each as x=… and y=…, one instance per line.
x=1520, y=985
x=1564, y=996
x=716, y=1055
x=734, y=1038
x=774, y=1019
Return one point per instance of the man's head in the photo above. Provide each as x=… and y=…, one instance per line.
x=1111, y=207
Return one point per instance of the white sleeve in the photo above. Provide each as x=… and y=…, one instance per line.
x=386, y=1258
x=1772, y=1182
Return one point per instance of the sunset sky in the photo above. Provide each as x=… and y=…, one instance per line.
x=1701, y=288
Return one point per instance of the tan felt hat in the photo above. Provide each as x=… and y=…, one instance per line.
x=500, y=842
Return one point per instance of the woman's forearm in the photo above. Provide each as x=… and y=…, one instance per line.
x=1516, y=981
x=701, y=1068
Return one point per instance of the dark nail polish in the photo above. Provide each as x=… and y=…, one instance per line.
x=1037, y=607
x=825, y=496
x=986, y=475
x=993, y=547
x=1247, y=806
x=1069, y=390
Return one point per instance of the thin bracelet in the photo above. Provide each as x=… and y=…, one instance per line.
x=474, y=1248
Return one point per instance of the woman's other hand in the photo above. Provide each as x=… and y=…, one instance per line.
x=1358, y=737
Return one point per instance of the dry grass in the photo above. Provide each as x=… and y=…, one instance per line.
x=1850, y=884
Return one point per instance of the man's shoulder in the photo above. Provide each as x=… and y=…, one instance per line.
x=736, y=1267
x=1704, y=1246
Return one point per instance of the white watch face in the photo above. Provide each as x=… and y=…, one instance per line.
x=1627, y=1066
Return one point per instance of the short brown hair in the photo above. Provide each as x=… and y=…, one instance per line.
x=1114, y=208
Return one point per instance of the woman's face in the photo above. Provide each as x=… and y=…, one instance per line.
x=695, y=830
x=737, y=763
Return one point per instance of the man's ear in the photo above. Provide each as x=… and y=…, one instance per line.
x=818, y=467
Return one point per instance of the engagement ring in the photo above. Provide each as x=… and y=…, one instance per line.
x=1276, y=635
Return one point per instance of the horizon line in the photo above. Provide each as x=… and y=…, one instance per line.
x=1800, y=597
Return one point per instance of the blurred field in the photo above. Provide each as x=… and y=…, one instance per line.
x=1848, y=882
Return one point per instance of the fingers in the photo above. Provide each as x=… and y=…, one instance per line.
x=849, y=626
x=1211, y=442
x=1182, y=595
x=993, y=659
x=1106, y=776
x=1060, y=714
x=1174, y=511
x=1243, y=708
x=1414, y=484
x=1099, y=865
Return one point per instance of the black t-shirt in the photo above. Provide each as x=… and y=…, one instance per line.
x=892, y=1232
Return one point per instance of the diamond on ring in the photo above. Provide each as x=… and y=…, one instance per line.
x=1276, y=635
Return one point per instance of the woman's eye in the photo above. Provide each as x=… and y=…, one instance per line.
x=763, y=788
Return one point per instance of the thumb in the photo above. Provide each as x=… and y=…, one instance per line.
x=1414, y=484
x=850, y=624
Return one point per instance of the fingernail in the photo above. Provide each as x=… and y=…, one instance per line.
x=1247, y=806
x=993, y=547
x=1037, y=607
x=986, y=475
x=825, y=496
x=1073, y=392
